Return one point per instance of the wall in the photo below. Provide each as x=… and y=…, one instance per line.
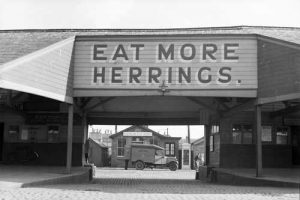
x=51, y=149
x=244, y=155
x=98, y=155
x=278, y=70
x=214, y=156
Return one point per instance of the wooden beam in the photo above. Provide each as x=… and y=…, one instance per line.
x=258, y=141
x=85, y=136
x=143, y=114
x=288, y=110
x=69, y=138
x=85, y=102
x=203, y=104
x=221, y=103
x=247, y=105
x=274, y=99
x=101, y=102
x=206, y=145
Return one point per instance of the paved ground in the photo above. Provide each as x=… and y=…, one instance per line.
x=147, y=184
x=17, y=175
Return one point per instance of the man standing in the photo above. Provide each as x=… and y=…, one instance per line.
x=86, y=150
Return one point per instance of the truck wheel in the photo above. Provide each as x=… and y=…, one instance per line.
x=139, y=165
x=173, y=166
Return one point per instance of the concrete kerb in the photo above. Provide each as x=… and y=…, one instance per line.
x=77, y=177
x=221, y=176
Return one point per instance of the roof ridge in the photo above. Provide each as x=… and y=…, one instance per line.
x=240, y=27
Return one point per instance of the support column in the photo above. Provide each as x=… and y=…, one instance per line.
x=69, y=138
x=206, y=144
x=188, y=135
x=258, y=141
x=85, y=136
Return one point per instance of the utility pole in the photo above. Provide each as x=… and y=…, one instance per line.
x=188, y=136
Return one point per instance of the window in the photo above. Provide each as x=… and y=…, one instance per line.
x=266, y=133
x=214, y=129
x=242, y=134
x=236, y=134
x=53, y=133
x=121, y=146
x=282, y=135
x=170, y=149
x=211, y=143
x=13, y=132
x=247, y=134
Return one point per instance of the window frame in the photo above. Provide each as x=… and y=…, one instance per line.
x=123, y=143
x=56, y=139
x=287, y=134
x=169, y=144
x=242, y=132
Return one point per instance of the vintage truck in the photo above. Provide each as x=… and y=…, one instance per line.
x=151, y=156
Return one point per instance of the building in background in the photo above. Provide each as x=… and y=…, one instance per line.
x=198, y=150
x=143, y=135
x=102, y=137
x=98, y=154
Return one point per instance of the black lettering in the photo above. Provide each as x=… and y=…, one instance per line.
x=182, y=73
x=152, y=76
x=134, y=76
x=227, y=51
x=200, y=75
x=120, y=52
x=115, y=74
x=137, y=50
x=225, y=72
x=170, y=75
x=166, y=54
x=97, y=51
x=96, y=74
x=207, y=52
x=182, y=52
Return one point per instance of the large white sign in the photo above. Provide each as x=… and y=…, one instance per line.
x=136, y=134
x=202, y=63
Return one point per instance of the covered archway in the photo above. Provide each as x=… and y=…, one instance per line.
x=220, y=78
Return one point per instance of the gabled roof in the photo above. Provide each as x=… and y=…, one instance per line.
x=198, y=141
x=46, y=52
x=17, y=43
x=100, y=144
x=46, y=72
x=144, y=129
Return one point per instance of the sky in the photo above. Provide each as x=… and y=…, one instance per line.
x=196, y=132
x=42, y=14
x=125, y=14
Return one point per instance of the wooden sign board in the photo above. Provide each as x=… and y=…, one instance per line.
x=137, y=134
x=165, y=65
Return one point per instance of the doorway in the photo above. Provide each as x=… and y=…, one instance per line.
x=295, y=130
x=1, y=140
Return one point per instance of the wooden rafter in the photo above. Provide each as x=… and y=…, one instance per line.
x=203, y=104
x=241, y=107
x=99, y=103
x=287, y=110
